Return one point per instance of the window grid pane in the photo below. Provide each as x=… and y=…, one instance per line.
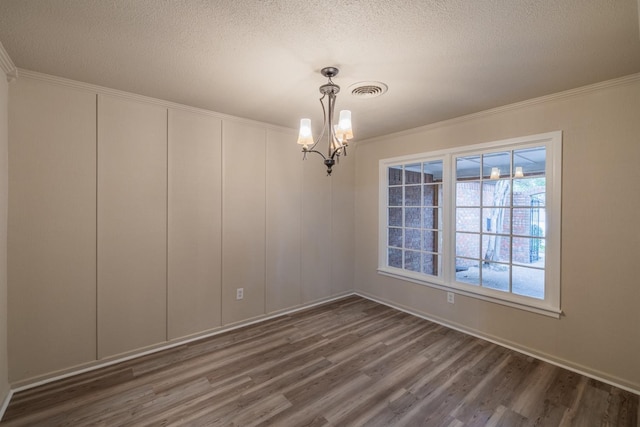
x=500, y=221
x=414, y=217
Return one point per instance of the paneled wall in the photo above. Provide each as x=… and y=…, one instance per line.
x=194, y=223
x=284, y=221
x=4, y=198
x=132, y=225
x=343, y=223
x=52, y=228
x=316, y=232
x=133, y=222
x=243, y=212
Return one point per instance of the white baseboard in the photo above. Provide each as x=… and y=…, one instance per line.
x=511, y=346
x=495, y=340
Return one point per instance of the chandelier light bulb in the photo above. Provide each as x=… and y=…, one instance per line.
x=495, y=173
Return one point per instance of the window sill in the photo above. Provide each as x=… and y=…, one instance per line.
x=442, y=285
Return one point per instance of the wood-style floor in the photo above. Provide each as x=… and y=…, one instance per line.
x=352, y=362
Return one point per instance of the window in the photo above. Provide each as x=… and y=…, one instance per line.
x=414, y=225
x=483, y=220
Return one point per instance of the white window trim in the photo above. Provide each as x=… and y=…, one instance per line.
x=550, y=306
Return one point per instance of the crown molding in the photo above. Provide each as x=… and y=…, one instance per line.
x=101, y=90
x=620, y=81
x=7, y=65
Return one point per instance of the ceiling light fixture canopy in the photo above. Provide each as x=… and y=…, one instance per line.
x=338, y=135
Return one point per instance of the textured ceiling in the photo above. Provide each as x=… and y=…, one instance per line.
x=260, y=59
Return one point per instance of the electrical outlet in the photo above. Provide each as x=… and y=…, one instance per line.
x=450, y=297
x=239, y=293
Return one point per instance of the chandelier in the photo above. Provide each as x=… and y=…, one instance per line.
x=338, y=135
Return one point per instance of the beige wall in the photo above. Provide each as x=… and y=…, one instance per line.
x=243, y=212
x=599, y=332
x=52, y=227
x=194, y=222
x=132, y=225
x=133, y=221
x=4, y=176
x=283, y=221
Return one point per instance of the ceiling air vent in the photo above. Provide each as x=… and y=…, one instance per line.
x=368, y=89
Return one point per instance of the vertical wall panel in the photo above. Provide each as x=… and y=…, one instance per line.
x=52, y=228
x=132, y=222
x=4, y=201
x=316, y=230
x=195, y=229
x=343, y=225
x=243, y=232
x=284, y=220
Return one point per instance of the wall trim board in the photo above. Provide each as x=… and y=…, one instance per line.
x=94, y=365
x=7, y=65
x=7, y=70
x=562, y=363
x=36, y=382
x=5, y=403
x=35, y=75
x=13, y=73
x=620, y=81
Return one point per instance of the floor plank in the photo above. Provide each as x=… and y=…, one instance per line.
x=351, y=362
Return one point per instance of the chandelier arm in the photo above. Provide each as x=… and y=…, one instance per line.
x=331, y=138
x=315, y=151
x=338, y=152
x=324, y=124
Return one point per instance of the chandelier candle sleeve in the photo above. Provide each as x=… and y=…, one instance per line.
x=519, y=173
x=337, y=135
x=305, y=138
x=344, y=124
x=343, y=128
